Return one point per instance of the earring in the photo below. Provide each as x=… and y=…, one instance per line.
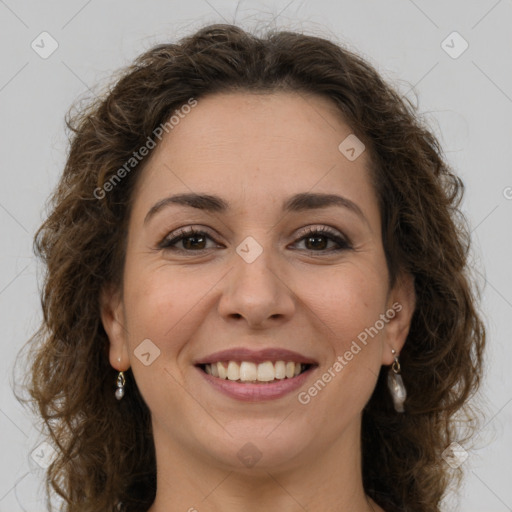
x=120, y=386
x=396, y=385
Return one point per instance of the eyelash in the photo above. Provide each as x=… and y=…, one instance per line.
x=184, y=233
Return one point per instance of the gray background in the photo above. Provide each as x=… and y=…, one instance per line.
x=467, y=101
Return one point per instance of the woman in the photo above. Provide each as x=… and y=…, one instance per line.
x=257, y=292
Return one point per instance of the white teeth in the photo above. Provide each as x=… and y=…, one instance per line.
x=266, y=371
x=280, y=367
x=233, y=371
x=247, y=371
x=290, y=370
x=222, y=370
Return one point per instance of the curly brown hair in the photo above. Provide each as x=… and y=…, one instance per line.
x=82, y=245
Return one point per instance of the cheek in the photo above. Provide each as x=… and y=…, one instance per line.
x=345, y=302
x=157, y=306
x=160, y=320
x=167, y=305
x=348, y=305
x=349, y=309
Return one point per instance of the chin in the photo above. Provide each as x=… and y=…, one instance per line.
x=266, y=444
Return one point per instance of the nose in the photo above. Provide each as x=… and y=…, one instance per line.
x=257, y=292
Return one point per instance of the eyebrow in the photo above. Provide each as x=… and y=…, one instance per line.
x=297, y=203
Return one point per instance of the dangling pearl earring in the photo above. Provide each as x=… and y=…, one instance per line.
x=396, y=385
x=120, y=385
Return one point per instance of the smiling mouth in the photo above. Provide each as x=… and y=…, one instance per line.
x=252, y=373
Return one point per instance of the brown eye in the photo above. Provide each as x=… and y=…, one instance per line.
x=194, y=242
x=317, y=240
x=190, y=240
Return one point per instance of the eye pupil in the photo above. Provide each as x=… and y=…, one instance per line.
x=188, y=245
x=315, y=239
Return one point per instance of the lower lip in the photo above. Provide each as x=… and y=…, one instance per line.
x=257, y=392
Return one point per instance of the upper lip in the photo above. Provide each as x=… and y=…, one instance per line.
x=255, y=356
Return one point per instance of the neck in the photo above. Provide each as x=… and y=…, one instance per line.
x=326, y=479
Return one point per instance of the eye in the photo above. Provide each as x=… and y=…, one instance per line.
x=190, y=239
x=318, y=240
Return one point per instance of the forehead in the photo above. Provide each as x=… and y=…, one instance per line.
x=256, y=148
x=297, y=124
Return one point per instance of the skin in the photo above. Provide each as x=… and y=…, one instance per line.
x=255, y=151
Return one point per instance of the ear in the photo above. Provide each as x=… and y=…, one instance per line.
x=402, y=301
x=113, y=320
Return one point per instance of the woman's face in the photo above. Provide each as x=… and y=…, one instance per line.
x=259, y=283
